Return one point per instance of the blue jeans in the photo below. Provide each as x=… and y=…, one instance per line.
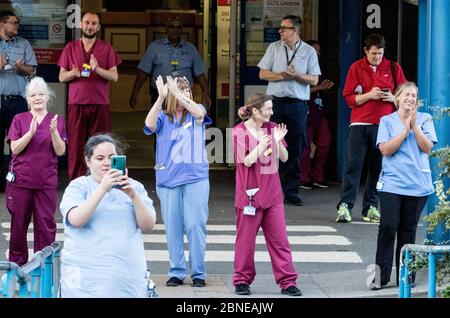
x=185, y=210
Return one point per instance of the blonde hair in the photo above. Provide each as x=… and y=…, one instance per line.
x=400, y=90
x=255, y=100
x=171, y=101
x=39, y=83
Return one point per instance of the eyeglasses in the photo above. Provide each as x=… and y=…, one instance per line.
x=13, y=22
x=283, y=27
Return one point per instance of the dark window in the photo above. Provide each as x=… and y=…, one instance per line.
x=140, y=5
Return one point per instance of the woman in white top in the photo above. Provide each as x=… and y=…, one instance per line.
x=103, y=254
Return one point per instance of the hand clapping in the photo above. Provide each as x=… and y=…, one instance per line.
x=33, y=126
x=53, y=124
x=162, y=88
x=172, y=85
x=93, y=62
x=280, y=132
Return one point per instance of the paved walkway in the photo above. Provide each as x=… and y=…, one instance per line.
x=348, y=284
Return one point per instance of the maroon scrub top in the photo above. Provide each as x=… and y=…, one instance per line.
x=263, y=174
x=36, y=167
x=92, y=90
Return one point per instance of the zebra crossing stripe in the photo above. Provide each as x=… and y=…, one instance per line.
x=217, y=227
x=153, y=255
x=230, y=239
x=263, y=256
x=260, y=256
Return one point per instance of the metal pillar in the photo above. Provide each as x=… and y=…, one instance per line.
x=434, y=82
x=350, y=44
x=233, y=57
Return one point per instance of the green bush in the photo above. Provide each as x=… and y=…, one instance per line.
x=441, y=215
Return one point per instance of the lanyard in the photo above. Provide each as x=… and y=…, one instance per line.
x=289, y=61
x=7, y=47
x=87, y=55
x=173, y=57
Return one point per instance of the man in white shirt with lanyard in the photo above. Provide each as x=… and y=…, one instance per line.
x=290, y=66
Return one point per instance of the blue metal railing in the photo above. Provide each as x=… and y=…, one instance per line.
x=433, y=251
x=39, y=278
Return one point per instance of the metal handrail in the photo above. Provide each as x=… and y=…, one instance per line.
x=433, y=251
x=7, y=266
x=43, y=271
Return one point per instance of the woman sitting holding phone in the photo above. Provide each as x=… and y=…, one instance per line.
x=104, y=214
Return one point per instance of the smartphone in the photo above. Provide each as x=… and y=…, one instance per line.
x=119, y=163
x=386, y=90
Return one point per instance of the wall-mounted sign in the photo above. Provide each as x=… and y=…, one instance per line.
x=47, y=56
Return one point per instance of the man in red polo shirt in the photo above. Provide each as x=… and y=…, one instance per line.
x=368, y=91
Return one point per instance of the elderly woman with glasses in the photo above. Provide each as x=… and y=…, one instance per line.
x=37, y=138
x=182, y=179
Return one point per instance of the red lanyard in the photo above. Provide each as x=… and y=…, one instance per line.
x=87, y=55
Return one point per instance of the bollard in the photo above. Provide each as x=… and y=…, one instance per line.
x=406, y=278
x=431, y=275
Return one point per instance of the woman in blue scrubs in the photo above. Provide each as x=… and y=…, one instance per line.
x=182, y=175
x=405, y=138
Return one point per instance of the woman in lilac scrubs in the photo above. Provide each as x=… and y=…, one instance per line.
x=37, y=138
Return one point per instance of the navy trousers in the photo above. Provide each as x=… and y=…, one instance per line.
x=294, y=113
x=9, y=107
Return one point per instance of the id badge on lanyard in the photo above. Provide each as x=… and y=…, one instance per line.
x=11, y=177
x=249, y=209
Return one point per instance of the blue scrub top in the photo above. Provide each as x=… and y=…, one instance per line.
x=180, y=150
x=105, y=257
x=407, y=171
x=159, y=55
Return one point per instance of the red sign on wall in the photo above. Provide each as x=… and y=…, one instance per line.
x=47, y=56
x=224, y=3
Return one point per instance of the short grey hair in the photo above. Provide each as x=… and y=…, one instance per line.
x=39, y=83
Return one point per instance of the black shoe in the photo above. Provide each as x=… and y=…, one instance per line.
x=173, y=282
x=376, y=285
x=198, y=282
x=322, y=185
x=291, y=291
x=242, y=289
x=306, y=186
x=295, y=200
